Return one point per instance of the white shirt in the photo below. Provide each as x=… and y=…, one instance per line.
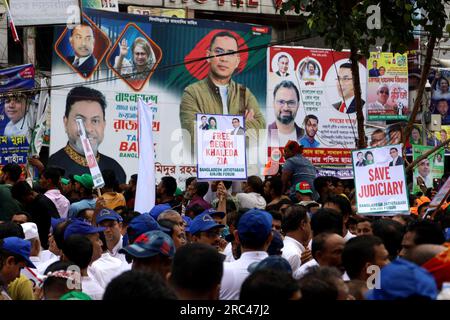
x=20, y=128
x=292, y=251
x=224, y=96
x=115, y=251
x=304, y=268
x=251, y=200
x=81, y=60
x=228, y=252
x=44, y=264
x=234, y=274
x=91, y=288
x=348, y=236
x=104, y=269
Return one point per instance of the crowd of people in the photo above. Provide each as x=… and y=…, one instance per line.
x=290, y=236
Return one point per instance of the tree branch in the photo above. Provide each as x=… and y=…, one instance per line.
x=425, y=155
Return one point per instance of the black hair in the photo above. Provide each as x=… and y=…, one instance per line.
x=342, y=202
x=23, y=213
x=282, y=56
x=21, y=189
x=293, y=217
x=357, y=252
x=128, y=215
x=13, y=170
x=319, y=284
x=287, y=85
x=188, y=182
x=58, y=233
x=109, y=177
x=79, y=249
x=347, y=65
x=426, y=232
x=391, y=232
x=256, y=184
x=197, y=267
x=52, y=173
x=82, y=214
x=196, y=209
x=201, y=188
x=318, y=242
x=320, y=183
x=393, y=149
x=170, y=185
x=268, y=284
x=82, y=93
x=276, y=215
x=138, y=286
x=223, y=34
x=327, y=220
x=308, y=117
x=11, y=229
x=236, y=119
x=277, y=206
x=276, y=185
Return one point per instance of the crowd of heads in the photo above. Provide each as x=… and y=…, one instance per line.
x=208, y=242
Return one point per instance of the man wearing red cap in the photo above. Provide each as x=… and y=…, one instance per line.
x=303, y=192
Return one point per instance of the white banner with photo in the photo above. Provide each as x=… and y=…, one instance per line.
x=380, y=181
x=221, y=147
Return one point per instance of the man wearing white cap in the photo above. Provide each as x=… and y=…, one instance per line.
x=31, y=233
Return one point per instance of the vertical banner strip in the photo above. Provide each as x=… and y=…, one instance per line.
x=145, y=192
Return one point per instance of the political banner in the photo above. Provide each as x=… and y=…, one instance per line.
x=440, y=93
x=15, y=114
x=429, y=169
x=221, y=147
x=387, y=86
x=108, y=5
x=441, y=195
x=380, y=181
x=145, y=189
x=307, y=103
x=442, y=136
x=168, y=62
x=160, y=12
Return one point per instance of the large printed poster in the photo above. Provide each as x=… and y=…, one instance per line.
x=380, y=181
x=168, y=62
x=15, y=114
x=387, y=88
x=310, y=99
x=221, y=147
x=427, y=169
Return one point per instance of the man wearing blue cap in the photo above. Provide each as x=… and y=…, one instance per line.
x=152, y=252
x=14, y=256
x=139, y=225
x=254, y=233
x=205, y=230
x=112, y=222
x=91, y=232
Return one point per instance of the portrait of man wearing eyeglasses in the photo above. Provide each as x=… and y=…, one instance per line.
x=382, y=99
x=344, y=84
x=218, y=93
x=286, y=99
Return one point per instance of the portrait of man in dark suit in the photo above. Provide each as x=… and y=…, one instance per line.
x=344, y=84
x=237, y=129
x=283, y=66
x=361, y=161
x=82, y=41
x=396, y=160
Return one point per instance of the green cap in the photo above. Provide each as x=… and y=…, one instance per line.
x=85, y=180
x=75, y=295
x=65, y=181
x=178, y=192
